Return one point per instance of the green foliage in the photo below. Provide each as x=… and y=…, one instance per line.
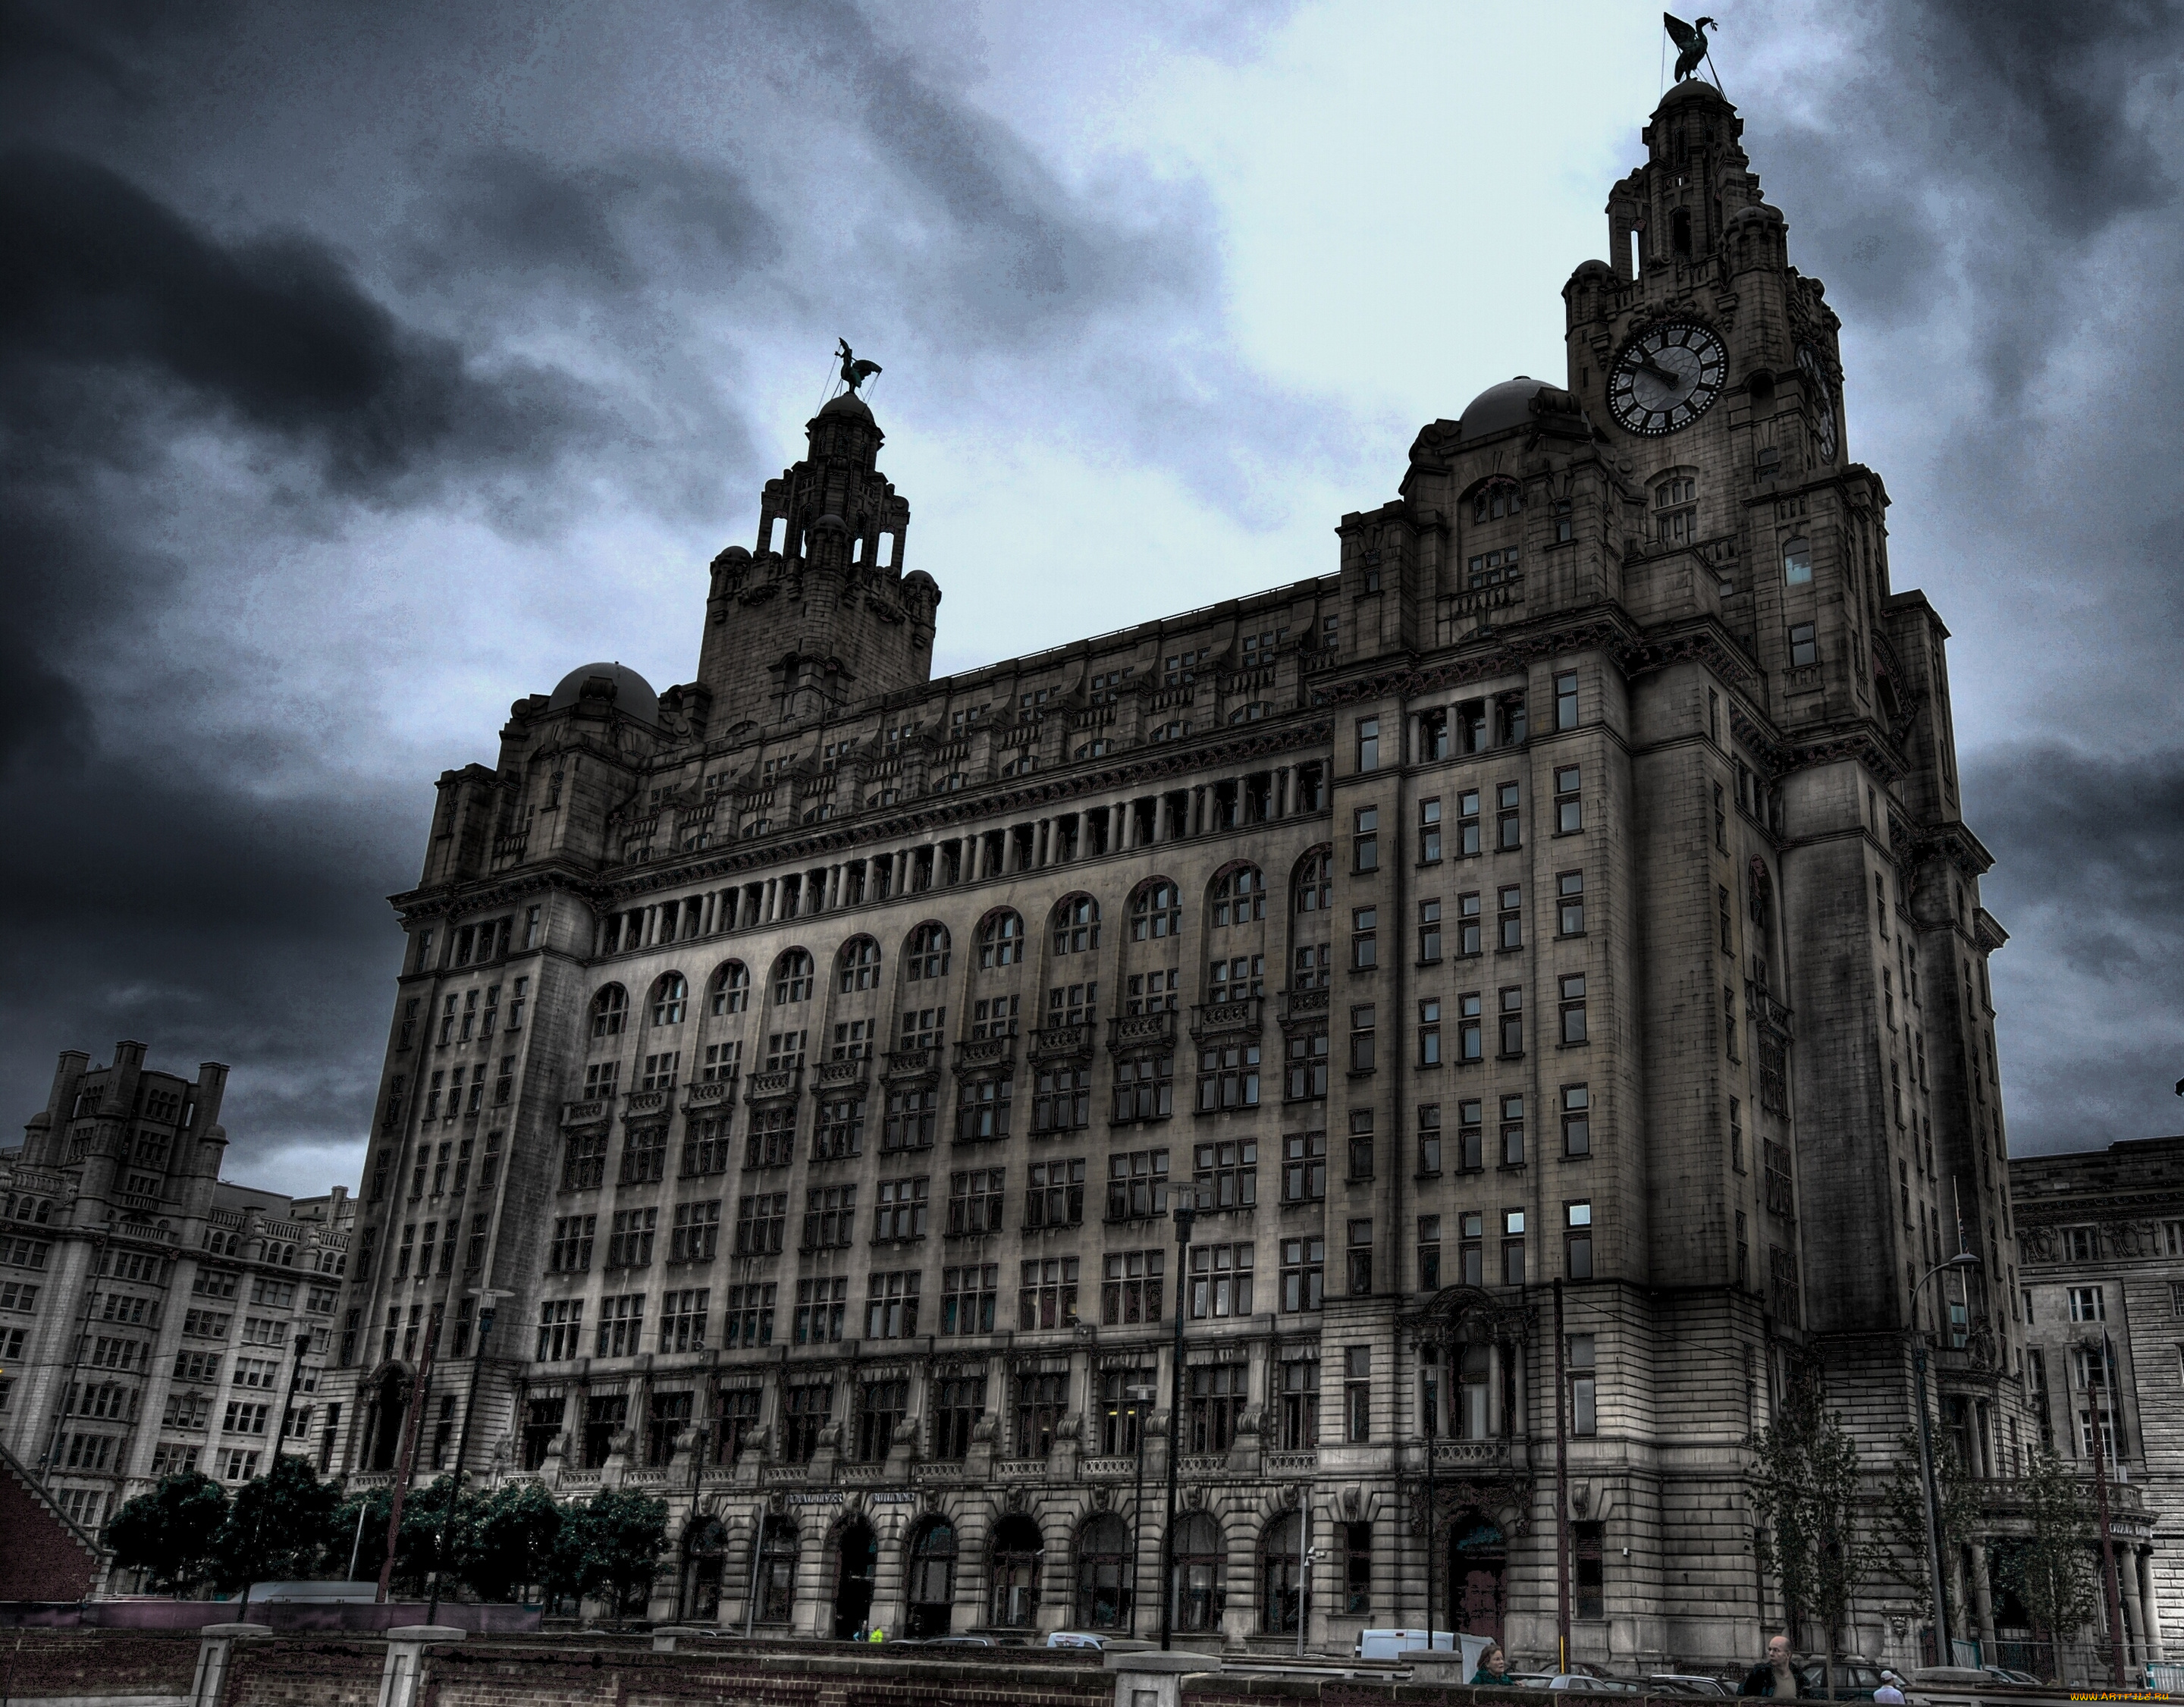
x=2052, y=1570
x=609, y=1545
x=277, y=1527
x=1960, y=1509
x=508, y=1540
x=170, y=1533
x=1804, y=1483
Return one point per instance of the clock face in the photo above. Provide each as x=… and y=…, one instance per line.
x=1666, y=378
x=1820, y=396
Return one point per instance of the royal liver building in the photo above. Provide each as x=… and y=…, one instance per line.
x=1546, y=948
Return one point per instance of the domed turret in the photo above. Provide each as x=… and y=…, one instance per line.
x=630, y=692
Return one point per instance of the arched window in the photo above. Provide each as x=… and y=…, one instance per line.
x=1314, y=888
x=1018, y=1550
x=1240, y=897
x=858, y=965
x=1103, y=1573
x=927, y=956
x=609, y=1011
x=792, y=977
x=777, y=1571
x=1156, y=911
x=1075, y=924
x=1001, y=941
x=1281, y=1575
x=1797, y=561
x=730, y=990
x=932, y=1580
x=1198, y=1593
x=671, y=998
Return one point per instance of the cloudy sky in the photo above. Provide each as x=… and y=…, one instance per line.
x=363, y=369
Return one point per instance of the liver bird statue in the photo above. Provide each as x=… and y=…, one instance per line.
x=855, y=373
x=1690, y=46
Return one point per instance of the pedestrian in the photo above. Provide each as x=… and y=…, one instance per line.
x=1773, y=1676
x=1891, y=1690
x=1491, y=1672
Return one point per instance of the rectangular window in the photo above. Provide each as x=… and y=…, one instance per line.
x=1470, y=1037
x=1054, y=1196
x=1216, y=1394
x=1358, y=1258
x=629, y=1243
x=1130, y=1286
x=1356, y=1393
x=1307, y=1076
x=974, y=1201
x=830, y=1217
x=2088, y=1304
x=1304, y=1273
x=1046, y=1293
x=1578, y=1240
x=1467, y=822
x=982, y=1109
x=1361, y=1144
x=1429, y=1033
x=1429, y=1122
x=1566, y=696
x=771, y=1140
x=1509, y=831
x=1365, y=839
x=821, y=1303
x=1429, y=832
x=968, y=1297
x=1225, y=1175
x=1300, y=1390
x=1061, y=1099
x=1041, y=1402
x=1512, y=1247
x=913, y=1117
x=1428, y=1253
x=1137, y=1185
x=1220, y=1280
x=1512, y=1131
x=1804, y=645
x=762, y=1224
x=1513, y=1022
x=621, y=1327
x=1368, y=744
x=840, y=1133
x=891, y=1306
x=1227, y=1078
x=1588, y=1545
x=682, y=1318
x=643, y=1156
x=1144, y=1089
x=1362, y=1024
x=1509, y=917
x=1472, y=1225
x=1573, y=1007
x=1577, y=1120
x=696, y=1236
x=1570, y=800
x=1304, y=1167
x=900, y=1212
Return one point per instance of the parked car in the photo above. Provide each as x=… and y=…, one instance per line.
x=1578, y=1683
x=959, y=1642
x=1685, y=1683
x=1098, y=1639
x=1855, y=1679
x=2007, y=1676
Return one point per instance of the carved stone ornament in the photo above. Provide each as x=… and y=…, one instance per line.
x=1103, y=1497
x=1013, y=1501
x=929, y=1498
x=1193, y=1497
x=776, y=1505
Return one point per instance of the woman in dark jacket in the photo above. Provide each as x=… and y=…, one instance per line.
x=1490, y=1672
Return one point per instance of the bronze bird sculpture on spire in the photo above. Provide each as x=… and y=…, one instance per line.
x=1691, y=43
x=855, y=373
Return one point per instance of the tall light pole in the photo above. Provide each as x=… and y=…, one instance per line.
x=288, y=1405
x=1185, y=1215
x=1944, y=1654
x=487, y=1297
x=1139, y=1398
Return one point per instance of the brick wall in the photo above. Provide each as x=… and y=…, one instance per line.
x=42, y=1664
x=45, y=1558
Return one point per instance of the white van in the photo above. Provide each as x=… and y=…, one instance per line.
x=1392, y=1644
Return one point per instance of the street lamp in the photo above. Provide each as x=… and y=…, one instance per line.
x=486, y=1297
x=1139, y=1398
x=1944, y=1653
x=1186, y=1215
x=288, y=1405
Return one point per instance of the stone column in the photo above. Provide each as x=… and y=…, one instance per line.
x=1982, y=1597
x=2152, y=1602
x=400, y=1683
x=1280, y=802
x=215, y=1646
x=2134, y=1609
x=766, y=900
x=1153, y=1679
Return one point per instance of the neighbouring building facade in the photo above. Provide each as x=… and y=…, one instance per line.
x=1563, y=903
x=2100, y=1238
x=150, y=1311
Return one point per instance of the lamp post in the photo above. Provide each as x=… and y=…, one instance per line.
x=288, y=1405
x=487, y=1297
x=1944, y=1654
x=1139, y=1398
x=1186, y=1215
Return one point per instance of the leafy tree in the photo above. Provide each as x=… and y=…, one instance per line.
x=276, y=1527
x=1959, y=1509
x=2052, y=1570
x=170, y=1533
x=416, y=1551
x=611, y=1542
x=1804, y=1481
x=368, y=1544
x=508, y=1540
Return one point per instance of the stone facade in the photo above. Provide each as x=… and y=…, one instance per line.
x=2101, y=1239
x=148, y=1309
x=1562, y=911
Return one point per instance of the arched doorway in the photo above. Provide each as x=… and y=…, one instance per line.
x=777, y=1572
x=857, y=1553
x=386, y=1417
x=1019, y=1550
x=1478, y=1562
x=704, y=1552
x=1281, y=1575
x=932, y=1580
x=1103, y=1573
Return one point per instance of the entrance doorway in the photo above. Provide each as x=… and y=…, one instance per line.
x=858, y=1555
x=932, y=1580
x=1478, y=1565
x=386, y=1420
x=1018, y=1554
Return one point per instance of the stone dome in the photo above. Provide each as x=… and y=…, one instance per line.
x=1499, y=407
x=1692, y=89
x=633, y=693
x=848, y=402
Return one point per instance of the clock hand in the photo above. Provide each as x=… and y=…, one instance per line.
x=1664, y=375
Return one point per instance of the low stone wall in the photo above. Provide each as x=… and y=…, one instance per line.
x=46, y=1664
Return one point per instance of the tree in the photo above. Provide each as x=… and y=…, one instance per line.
x=611, y=1542
x=277, y=1526
x=1804, y=1481
x=170, y=1533
x=2052, y=1570
x=1959, y=1508
x=508, y=1540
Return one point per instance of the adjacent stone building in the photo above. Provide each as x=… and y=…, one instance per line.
x=149, y=1310
x=2101, y=1238
x=1559, y=919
